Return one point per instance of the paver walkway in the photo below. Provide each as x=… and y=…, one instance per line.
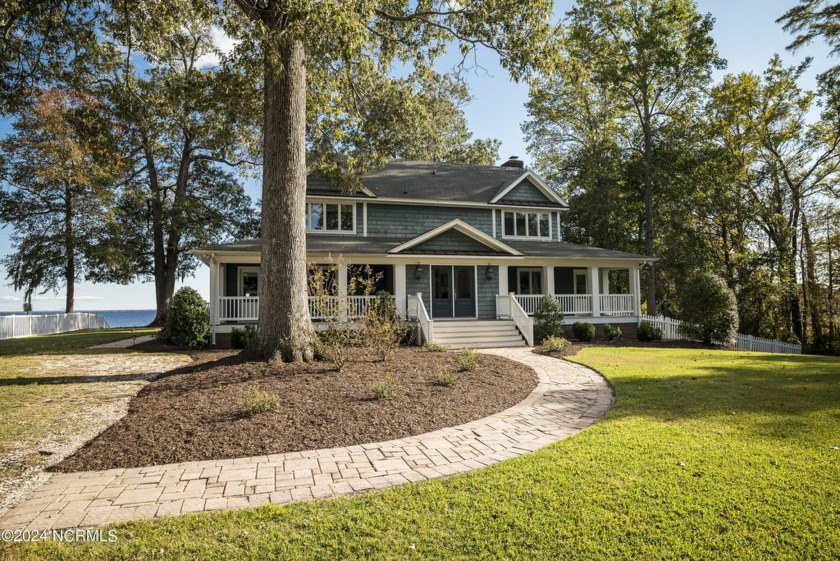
x=568, y=398
x=125, y=343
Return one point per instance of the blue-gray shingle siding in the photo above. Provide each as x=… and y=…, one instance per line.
x=414, y=285
x=407, y=221
x=526, y=191
x=450, y=241
x=487, y=291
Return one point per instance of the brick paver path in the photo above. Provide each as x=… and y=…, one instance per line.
x=568, y=398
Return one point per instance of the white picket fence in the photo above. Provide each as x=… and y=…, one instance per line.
x=672, y=329
x=27, y=325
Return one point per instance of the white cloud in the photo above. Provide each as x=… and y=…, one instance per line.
x=222, y=42
x=10, y=298
x=45, y=298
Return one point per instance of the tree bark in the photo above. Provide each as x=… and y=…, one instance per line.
x=285, y=329
x=70, y=249
x=648, y=179
x=813, y=302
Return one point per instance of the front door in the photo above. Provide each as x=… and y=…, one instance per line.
x=453, y=292
x=442, y=292
x=464, y=292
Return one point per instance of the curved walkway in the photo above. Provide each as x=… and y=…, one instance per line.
x=568, y=398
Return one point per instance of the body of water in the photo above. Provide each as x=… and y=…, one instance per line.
x=115, y=318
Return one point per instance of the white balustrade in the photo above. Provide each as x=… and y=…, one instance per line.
x=521, y=319
x=617, y=304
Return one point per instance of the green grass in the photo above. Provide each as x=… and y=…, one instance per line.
x=706, y=455
x=73, y=341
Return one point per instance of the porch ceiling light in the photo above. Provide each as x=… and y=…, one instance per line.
x=488, y=272
x=418, y=272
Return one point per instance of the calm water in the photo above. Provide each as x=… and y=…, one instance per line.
x=115, y=318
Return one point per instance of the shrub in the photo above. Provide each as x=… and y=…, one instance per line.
x=548, y=318
x=584, y=331
x=612, y=332
x=443, y=377
x=241, y=338
x=435, y=347
x=187, y=320
x=256, y=401
x=649, y=332
x=556, y=344
x=335, y=343
x=386, y=388
x=708, y=308
x=383, y=331
x=466, y=360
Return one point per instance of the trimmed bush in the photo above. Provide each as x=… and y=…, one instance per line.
x=255, y=401
x=548, y=319
x=241, y=338
x=466, y=360
x=386, y=388
x=583, y=330
x=555, y=344
x=187, y=320
x=443, y=377
x=708, y=308
x=612, y=332
x=649, y=332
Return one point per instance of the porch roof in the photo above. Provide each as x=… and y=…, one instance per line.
x=327, y=243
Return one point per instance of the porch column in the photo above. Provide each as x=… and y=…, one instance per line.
x=399, y=290
x=549, y=280
x=214, y=298
x=503, y=279
x=344, y=304
x=594, y=277
x=605, y=281
x=635, y=290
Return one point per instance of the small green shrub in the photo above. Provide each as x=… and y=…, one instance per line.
x=443, y=377
x=466, y=360
x=649, y=332
x=383, y=330
x=435, y=347
x=612, y=332
x=708, y=308
x=187, y=320
x=583, y=330
x=386, y=388
x=256, y=401
x=556, y=344
x=548, y=318
x=241, y=338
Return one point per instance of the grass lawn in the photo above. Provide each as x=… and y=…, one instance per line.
x=706, y=455
x=55, y=391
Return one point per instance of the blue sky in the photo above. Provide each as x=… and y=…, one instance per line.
x=747, y=37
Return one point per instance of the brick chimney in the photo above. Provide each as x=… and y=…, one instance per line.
x=514, y=162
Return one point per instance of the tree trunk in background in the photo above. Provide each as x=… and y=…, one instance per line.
x=813, y=302
x=70, y=249
x=650, y=297
x=285, y=329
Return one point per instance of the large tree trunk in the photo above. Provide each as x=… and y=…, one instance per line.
x=285, y=329
x=70, y=248
x=650, y=298
x=163, y=295
x=813, y=303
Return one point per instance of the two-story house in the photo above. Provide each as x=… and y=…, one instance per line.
x=466, y=250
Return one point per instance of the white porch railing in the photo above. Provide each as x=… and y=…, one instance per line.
x=575, y=304
x=417, y=310
x=239, y=308
x=46, y=324
x=529, y=302
x=673, y=329
x=617, y=304
x=521, y=319
x=247, y=308
x=502, y=306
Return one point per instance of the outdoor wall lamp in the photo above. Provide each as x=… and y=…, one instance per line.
x=418, y=272
x=488, y=272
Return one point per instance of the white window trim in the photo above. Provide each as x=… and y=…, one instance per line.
x=539, y=227
x=585, y=273
x=325, y=202
x=240, y=281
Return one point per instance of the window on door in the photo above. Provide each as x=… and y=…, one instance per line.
x=580, y=282
x=249, y=282
x=529, y=281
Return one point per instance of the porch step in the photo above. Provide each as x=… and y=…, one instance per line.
x=477, y=334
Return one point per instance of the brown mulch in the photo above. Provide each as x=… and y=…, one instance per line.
x=193, y=413
x=576, y=346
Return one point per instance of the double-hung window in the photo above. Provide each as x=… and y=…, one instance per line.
x=526, y=224
x=330, y=217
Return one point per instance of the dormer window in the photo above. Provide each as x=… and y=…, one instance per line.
x=330, y=217
x=526, y=224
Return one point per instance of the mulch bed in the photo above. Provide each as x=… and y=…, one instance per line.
x=576, y=346
x=194, y=413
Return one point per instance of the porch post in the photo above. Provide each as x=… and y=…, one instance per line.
x=399, y=290
x=605, y=281
x=214, y=298
x=594, y=278
x=344, y=303
x=503, y=280
x=549, y=280
x=635, y=290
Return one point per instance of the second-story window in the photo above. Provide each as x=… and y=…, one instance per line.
x=330, y=217
x=526, y=224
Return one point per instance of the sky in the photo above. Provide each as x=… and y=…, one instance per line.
x=746, y=35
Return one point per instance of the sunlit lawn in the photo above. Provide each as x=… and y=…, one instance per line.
x=705, y=455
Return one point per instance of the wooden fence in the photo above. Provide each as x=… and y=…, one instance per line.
x=35, y=324
x=672, y=329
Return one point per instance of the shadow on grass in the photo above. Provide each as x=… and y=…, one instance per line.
x=80, y=379
x=73, y=342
